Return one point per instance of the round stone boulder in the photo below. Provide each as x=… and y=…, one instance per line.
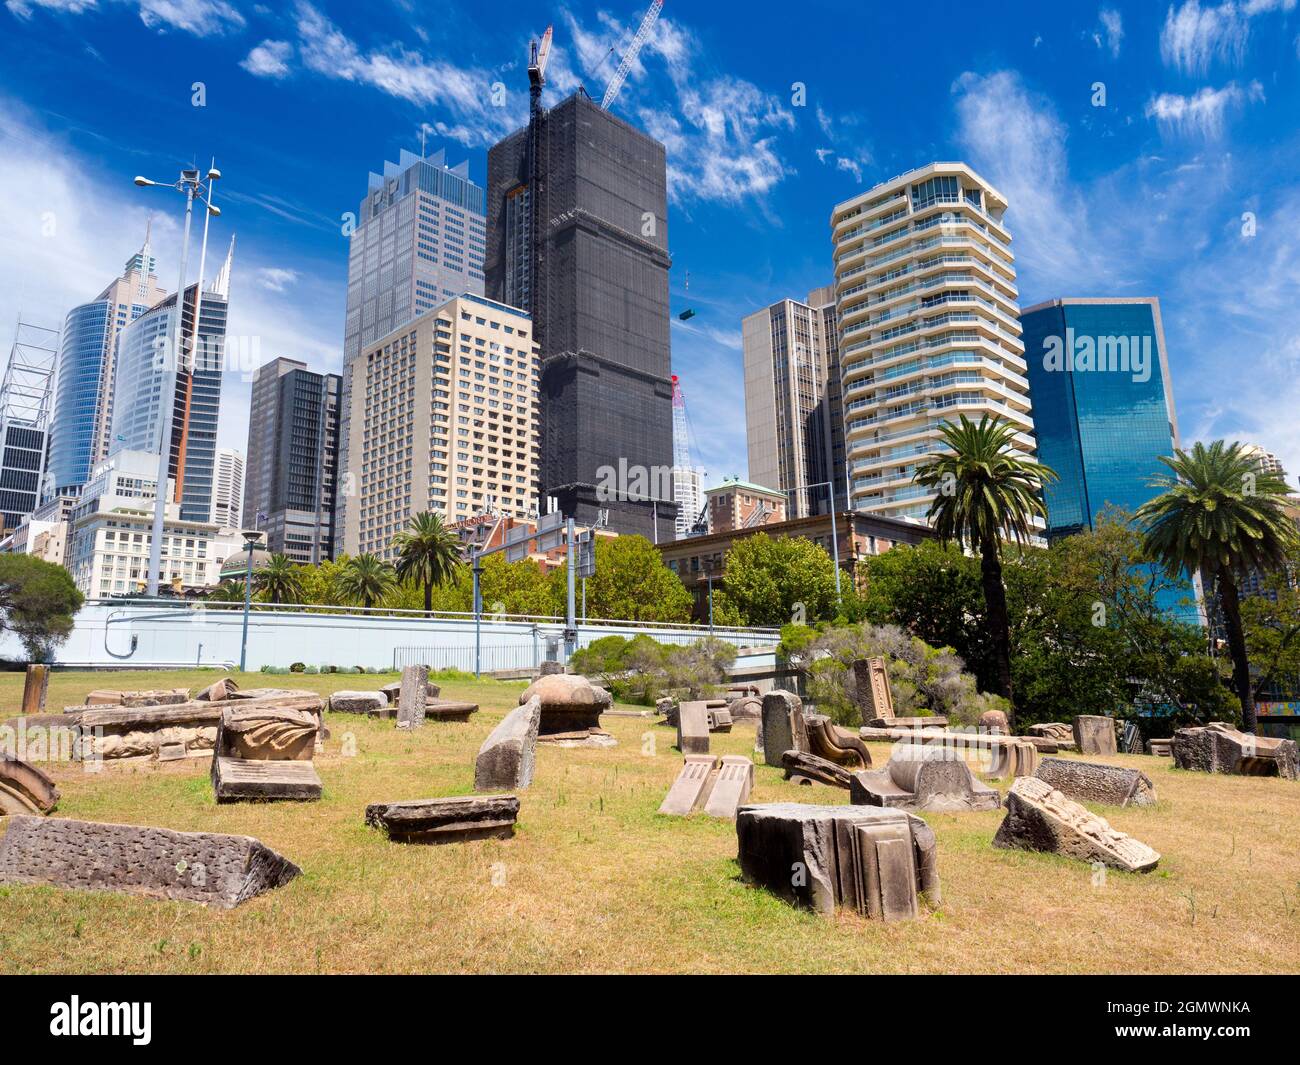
x=570, y=702
x=994, y=721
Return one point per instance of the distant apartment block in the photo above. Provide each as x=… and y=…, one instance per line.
x=111, y=530
x=83, y=409
x=419, y=240
x=143, y=359
x=925, y=294
x=736, y=504
x=228, y=489
x=793, y=420
x=1103, y=404
x=291, y=478
x=443, y=419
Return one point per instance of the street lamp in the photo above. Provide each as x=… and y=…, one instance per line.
x=251, y=538
x=709, y=567
x=192, y=185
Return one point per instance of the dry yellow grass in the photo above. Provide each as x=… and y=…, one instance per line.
x=596, y=881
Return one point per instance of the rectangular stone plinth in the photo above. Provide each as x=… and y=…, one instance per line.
x=239, y=779
x=506, y=759
x=412, y=695
x=869, y=859
x=453, y=820
x=731, y=786
x=1094, y=734
x=214, y=869
x=693, y=728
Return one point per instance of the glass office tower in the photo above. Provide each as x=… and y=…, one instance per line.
x=1103, y=404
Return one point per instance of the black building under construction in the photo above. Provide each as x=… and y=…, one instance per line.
x=577, y=235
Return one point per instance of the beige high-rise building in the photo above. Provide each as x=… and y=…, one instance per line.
x=793, y=426
x=443, y=419
x=925, y=288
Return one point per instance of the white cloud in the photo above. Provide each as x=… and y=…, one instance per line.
x=1016, y=140
x=1204, y=112
x=1195, y=37
x=202, y=18
x=275, y=278
x=852, y=166
x=1113, y=23
x=270, y=59
x=24, y=8
x=407, y=75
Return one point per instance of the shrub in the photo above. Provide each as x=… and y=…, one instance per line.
x=297, y=667
x=924, y=680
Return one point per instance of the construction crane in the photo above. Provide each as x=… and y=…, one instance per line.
x=629, y=57
x=539, y=56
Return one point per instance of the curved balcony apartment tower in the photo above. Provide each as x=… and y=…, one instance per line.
x=925, y=290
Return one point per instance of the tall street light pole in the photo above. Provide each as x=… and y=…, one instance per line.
x=250, y=540
x=835, y=540
x=190, y=184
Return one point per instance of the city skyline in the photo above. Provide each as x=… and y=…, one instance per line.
x=1178, y=187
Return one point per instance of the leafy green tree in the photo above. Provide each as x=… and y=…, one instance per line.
x=986, y=492
x=774, y=581
x=1271, y=620
x=427, y=554
x=518, y=587
x=38, y=602
x=1220, y=514
x=364, y=580
x=631, y=583
x=279, y=580
x=320, y=582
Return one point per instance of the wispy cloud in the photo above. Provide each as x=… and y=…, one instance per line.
x=270, y=59
x=275, y=278
x=1112, y=23
x=1195, y=37
x=1205, y=112
x=201, y=18
x=1016, y=140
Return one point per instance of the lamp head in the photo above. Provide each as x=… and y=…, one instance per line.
x=143, y=181
x=214, y=174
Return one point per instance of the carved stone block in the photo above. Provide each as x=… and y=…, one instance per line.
x=873, y=860
x=839, y=745
x=452, y=820
x=24, y=789
x=1220, y=748
x=357, y=702
x=508, y=755
x=217, y=870
x=1095, y=734
x=784, y=728
x=570, y=702
x=1040, y=818
x=1109, y=785
x=692, y=785
x=412, y=696
x=240, y=780
x=871, y=686
x=923, y=779
x=731, y=786
x=693, y=728
x=805, y=768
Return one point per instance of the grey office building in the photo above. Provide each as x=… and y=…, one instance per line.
x=290, y=474
x=578, y=237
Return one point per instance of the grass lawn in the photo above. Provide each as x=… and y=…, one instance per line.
x=596, y=881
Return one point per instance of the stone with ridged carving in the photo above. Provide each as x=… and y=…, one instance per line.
x=923, y=780
x=869, y=859
x=1220, y=748
x=839, y=745
x=1040, y=818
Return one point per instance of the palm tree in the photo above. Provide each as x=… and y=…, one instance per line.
x=987, y=492
x=1220, y=515
x=227, y=591
x=428, y=553
x=279, y=580
x=364, y=580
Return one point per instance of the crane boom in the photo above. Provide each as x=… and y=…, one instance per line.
x=629, y=57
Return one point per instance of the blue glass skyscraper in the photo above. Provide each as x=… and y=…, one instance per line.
x=83, y=396
x=1103, y=404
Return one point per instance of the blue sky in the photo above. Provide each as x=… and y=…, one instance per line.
x=1184, y=183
